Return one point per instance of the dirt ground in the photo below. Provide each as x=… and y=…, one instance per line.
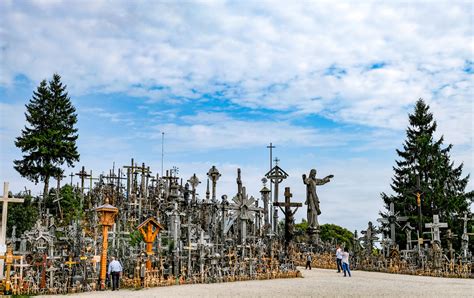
x=315, y=283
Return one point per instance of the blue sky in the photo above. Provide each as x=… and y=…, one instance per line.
x=330, y=85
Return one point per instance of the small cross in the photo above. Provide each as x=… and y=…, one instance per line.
x=276, y=160
x=175, y=170
x=70, y=262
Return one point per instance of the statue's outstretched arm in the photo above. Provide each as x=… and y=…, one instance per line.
x=324, y=180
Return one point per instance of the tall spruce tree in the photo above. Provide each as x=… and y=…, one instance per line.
x=441, y=183
x=49, y=139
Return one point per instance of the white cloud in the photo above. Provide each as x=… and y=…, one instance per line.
x=131, y=47
x=204, y=131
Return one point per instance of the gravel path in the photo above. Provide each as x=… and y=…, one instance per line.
x=316, y=283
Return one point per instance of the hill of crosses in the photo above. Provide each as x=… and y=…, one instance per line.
x=164, y=234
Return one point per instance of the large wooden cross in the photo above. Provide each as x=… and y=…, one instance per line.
x=3, y=234
x=289, y=214
x=83, y=175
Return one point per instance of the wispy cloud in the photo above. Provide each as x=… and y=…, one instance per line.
x=112, y=117
x=312, y=57
x=205, y=130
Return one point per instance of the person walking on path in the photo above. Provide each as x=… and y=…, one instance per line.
x=115, y=270
x=339, y=258
x=308, y=260
x=345, y=262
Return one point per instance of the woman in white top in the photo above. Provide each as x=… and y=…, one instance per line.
x=345, y=262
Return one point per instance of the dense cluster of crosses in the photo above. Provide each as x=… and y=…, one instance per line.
x=164, y=233
x=157, y=226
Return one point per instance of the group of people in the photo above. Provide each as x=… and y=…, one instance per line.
x=342, y=260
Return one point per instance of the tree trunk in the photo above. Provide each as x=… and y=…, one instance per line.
x=46, y=187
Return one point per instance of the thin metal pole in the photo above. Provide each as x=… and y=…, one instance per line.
x=162, y=151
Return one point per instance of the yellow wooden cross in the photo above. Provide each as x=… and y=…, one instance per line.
x=9, y=257
x=70, y=262
x=149, y=230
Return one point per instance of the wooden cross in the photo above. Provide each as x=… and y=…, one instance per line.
x=435, y=225
x=418, y=192
x=450, y=237
x=288, y=214
x=369, y=237
x=3, y=234
x=190, y=248
x=82, y=174
x=8, y=258
x=42, y=264
x=72, y=176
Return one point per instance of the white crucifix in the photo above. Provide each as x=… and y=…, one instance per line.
x=3, y=233
x=435, y=225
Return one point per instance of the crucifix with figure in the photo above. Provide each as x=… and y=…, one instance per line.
x=419, y=191
x=289, y=215
x=435, y=225
x=3, y=234
x=465, y=235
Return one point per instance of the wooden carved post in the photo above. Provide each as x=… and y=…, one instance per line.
x=107, y=215
x=149, y=229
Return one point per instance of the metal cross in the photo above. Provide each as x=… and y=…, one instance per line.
x=276, y=160
x=393, y=218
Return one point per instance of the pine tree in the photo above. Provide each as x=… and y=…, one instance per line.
x=425, y=160
x=49, y=139
x=23, y=216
